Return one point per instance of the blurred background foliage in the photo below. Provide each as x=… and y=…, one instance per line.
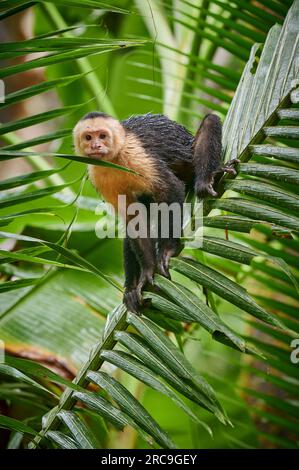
x=182, y=58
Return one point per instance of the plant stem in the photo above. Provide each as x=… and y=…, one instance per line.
x=191, y=71
x=91, y=79
x=117, y=321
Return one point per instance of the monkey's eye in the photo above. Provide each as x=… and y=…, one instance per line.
x=88, y=137
x=102, y=136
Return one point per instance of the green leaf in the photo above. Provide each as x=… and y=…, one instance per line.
x=13, y=199
x=10, y=154
x=265, y=192
x=156, y=340
x=68, y=254
x=55, y=44
x=128, y=403
x=274, y=401
x=244, y=15
x=39, y=140
x=168, y=308
x=16, y=374
x=38, y=371
x=198, y=311
x=140, y=348
x=135, y=368
x=15, y=425
x=228, y=249
x=224, y=287
x=287, y=132
x=25, y=93
x=62, y=440
x=12, y=11
x=36, y=119
x=75, y=3
x=80, y=432
x=236, y=223
x=271, y=172
x=287, y=154
x=262, y=88
x=261, y=212
x=58, y=57
x=103, y=407
x=28, y=178
x=8, y=256
x=110, y=413
x=19, y=284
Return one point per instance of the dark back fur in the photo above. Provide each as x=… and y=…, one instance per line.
x=161, y=137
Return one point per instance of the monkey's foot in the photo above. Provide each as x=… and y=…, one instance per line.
x=204, y=189
x=146, y=277
x=164, y=257
x=228, y=167
x=133, y=297
x=163, y=266
x=133, y=301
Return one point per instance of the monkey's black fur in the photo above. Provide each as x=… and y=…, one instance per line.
x=94, y=114
x=161, y=137
x=193, y=160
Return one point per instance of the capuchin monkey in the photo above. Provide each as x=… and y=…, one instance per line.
x=167, y=160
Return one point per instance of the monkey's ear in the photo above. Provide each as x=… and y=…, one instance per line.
x=76, y=128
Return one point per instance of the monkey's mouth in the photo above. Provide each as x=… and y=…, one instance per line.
x=98, y=153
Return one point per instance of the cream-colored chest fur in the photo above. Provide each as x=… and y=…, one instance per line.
x=111, y=182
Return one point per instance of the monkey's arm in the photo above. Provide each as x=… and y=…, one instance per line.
x=207, y=156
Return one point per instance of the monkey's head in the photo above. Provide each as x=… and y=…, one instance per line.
x=98, y=135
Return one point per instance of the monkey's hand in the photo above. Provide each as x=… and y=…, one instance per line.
x=133, y=296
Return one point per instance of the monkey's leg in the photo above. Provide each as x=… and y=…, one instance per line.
x=142, y=253
x=171, y=245
x=132, y=275
x=207, y=156
x=145, y=252
x=141, y=261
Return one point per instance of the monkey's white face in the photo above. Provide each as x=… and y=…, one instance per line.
x=98, y=138
x=96, y=143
